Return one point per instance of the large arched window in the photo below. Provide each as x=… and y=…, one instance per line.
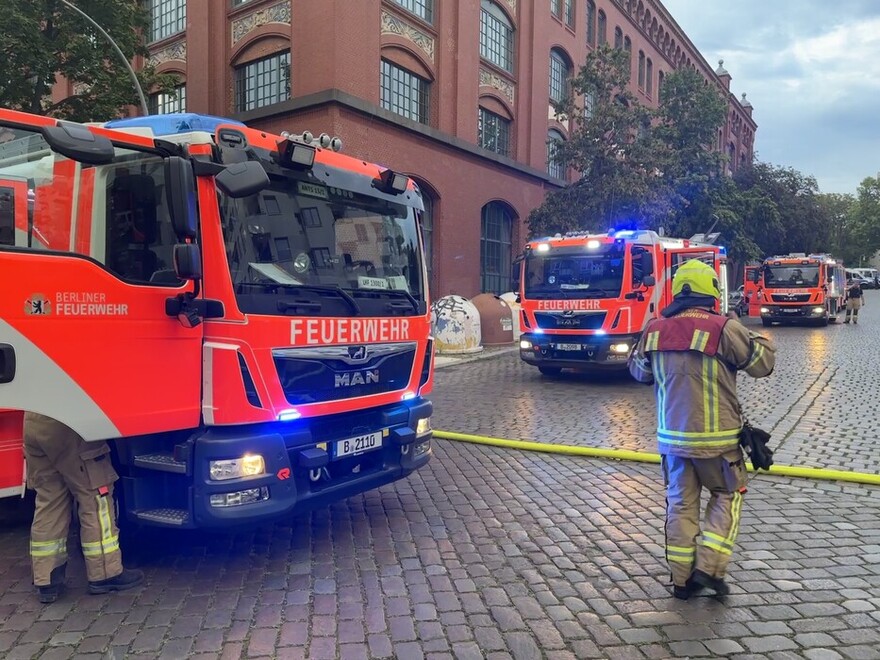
x=649, y=81
x=560, y=72
x=496, y=240
x=591, y=22
x=496, y=36
x=262, y=82
x=555, y=164
x=603, y=28
x=618, y=38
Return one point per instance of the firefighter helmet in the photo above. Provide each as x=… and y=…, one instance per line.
x=695, y=278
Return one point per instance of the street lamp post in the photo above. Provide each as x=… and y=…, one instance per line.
x=118, y=50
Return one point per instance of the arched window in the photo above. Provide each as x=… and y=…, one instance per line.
x=569, y=13
x=493, y=132
x=496, y=239
x=555, y=164
x=649, y=82
x=641, y=69
x=496, y=36
x=627, y=44
x=660, y=76
x=560, y=72
x=591, y=22
x=603, y=28
x=618, y=38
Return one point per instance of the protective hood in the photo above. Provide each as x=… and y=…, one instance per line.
x=682, y=302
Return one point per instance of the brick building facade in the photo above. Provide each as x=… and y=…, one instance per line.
x=455, y=93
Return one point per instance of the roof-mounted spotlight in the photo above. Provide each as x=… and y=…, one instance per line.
x=296, y=154
x=392, y=182
x=324, y=140
x=336, y=144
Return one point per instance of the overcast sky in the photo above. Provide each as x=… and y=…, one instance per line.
x=811, y=68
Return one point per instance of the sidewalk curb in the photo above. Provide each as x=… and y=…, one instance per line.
x=453, y=360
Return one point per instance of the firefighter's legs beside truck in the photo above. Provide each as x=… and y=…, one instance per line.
x=852, y=308
x=698, y=557
x=62, y=466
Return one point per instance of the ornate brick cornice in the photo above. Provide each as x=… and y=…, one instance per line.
x=512, y=5
x=244, y=25
x=493, y=80
x=175, y=51
x=393, y=25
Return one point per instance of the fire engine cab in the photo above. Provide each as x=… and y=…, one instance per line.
x=799, y=288
x=586, y=298
x=244, y=316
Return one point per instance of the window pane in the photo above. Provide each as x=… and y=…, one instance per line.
x=494, y=132
x=569, y=13
x=558, y=76
x=591, y=22
x=555, y=165
x=167, y=17
x=424, y=9
x=165, y=102
x=495, y=248
x=262, y=82
x=404, y=93
x=496, y=38
x=602, y=28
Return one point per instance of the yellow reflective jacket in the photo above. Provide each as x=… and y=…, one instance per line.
x=692, y=358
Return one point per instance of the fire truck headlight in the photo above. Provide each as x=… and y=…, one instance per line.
x=424, y=426
x=249, y=465
x=525, y=344
x=543, y=247
x=620, y=348
x=765, y=310
x=593, y=244
x=818, y=310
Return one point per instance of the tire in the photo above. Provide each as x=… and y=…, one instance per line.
x=550, y=371
x=766, y=322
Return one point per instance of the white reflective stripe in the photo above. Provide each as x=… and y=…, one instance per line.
x=208, y=349
x=41, y=386
x=11, y=492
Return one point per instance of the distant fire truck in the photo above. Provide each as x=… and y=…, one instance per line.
x=243, y=315
x=799, y=288
x=586, y=298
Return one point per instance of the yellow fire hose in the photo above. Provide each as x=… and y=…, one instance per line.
x=645, y=457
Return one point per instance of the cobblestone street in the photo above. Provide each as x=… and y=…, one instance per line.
x=495, y=553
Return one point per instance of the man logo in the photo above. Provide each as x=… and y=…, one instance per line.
x=357, y=353
x=353, y=378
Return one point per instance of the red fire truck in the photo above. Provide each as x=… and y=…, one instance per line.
x=586, y=298
x=243, y=315
x=800, y=288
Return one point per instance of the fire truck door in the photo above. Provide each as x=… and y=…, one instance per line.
x=84, y=334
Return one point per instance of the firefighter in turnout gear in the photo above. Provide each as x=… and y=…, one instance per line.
x=692, y=356
x=62, y=466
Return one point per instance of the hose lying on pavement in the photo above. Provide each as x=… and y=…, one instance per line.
x=646, y=457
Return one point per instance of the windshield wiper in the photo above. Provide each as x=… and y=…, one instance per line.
x=401, y=293
x=332, y=288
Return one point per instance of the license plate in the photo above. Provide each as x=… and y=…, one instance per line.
x=568, y=347
x=790, y=311
x=359, y=444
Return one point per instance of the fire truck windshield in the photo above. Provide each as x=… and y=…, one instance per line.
x=791, y=277
x=566, y=275
x=302, y=248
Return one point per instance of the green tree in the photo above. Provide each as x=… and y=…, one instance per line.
x=839, y=212
x=607, y=146
x=43, y=41
x=686, y=129
x=865, y=224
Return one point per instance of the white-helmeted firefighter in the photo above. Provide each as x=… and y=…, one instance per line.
x=692, y=356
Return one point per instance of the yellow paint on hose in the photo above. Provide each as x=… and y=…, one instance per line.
x=646, y=457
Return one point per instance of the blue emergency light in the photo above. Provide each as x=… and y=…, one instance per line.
x=722, y=250
x=174, y=123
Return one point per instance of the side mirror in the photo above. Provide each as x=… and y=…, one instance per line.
x=242, y=179
x=649, y=280
x=188, y=261
x=79, y=143
x=515, y=270
x=648, y=267
x=180, y=191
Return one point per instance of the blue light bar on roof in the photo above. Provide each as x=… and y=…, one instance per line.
x=172, y=124
x=722, y=250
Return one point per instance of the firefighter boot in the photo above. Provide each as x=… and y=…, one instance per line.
x=49, y=593
x=846, y=318
x=129, y=578
x=718, y=585
x=689, y=589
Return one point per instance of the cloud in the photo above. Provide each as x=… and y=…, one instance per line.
x=812, y=75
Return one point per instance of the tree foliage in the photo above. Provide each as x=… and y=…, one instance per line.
x=44, y=41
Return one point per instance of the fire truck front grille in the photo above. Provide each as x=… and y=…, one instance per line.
x=332, y=373
x=570, y=320
x=795, y=298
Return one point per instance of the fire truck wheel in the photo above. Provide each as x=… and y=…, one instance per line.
x=767, y=322
x=550, y=371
